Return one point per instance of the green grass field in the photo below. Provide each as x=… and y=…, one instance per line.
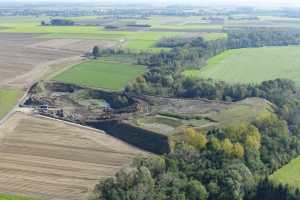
x=288, y=174
x=10, y=197
x=102, y=73
x=8, y=99
x=253, y=65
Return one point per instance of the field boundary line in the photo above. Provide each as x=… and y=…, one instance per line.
x=74, y=60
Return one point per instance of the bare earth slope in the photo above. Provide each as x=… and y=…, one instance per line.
x=50, y=159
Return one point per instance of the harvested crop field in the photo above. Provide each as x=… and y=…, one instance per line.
x=49, y=159
x=20, y=63
x=26, y=57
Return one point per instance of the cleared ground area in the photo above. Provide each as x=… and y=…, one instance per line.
x=48, y=159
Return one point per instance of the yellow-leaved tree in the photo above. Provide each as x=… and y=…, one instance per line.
x=238, y=150
x=216, y=144
x=194, y=138
x=246, y=134
x=227, y=146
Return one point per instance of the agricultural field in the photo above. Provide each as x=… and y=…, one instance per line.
x=8, y=99
x=106, y=74
x=26, y=58
x=252, y=65
x=288, y=174
x=135, y=40
x=202, y=24
x=63, y=161
x=23, y=62
x=262, y=21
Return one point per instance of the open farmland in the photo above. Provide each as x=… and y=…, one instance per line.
x=138, y=40
x=253, y=65
x=49, y=159
x=179, y=23
x=26, y=58
x=135, y=40
x=105, y=74
x=288, y=174
x=22, y=64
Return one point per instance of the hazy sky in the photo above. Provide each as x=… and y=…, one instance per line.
x=270, y=3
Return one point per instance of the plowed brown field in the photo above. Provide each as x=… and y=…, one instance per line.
x=50, y=159
x=25, y=58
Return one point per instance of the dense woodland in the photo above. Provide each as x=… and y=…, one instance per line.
x=229, y=163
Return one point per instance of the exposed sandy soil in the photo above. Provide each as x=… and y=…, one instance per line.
x=50, y=159
x=21, y=62
x=25, y=58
